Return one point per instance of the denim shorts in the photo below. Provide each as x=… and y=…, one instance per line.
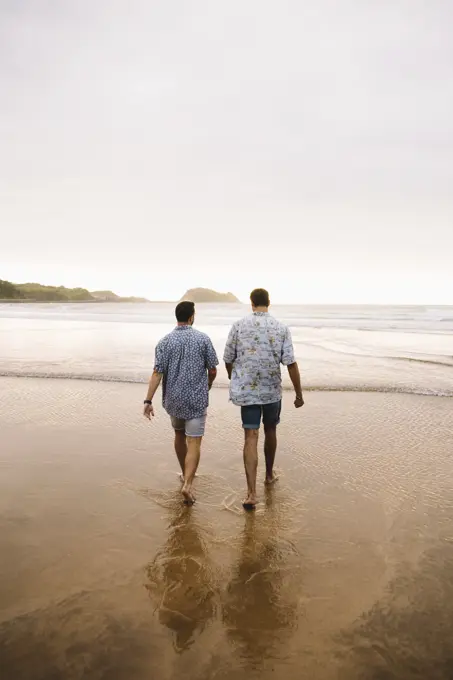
x=270, y=413
x=193, y=427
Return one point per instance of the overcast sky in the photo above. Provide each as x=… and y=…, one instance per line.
x=305, y=146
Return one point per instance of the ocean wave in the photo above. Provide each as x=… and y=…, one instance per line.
x=440, y=360
x=138, y=380
x=433, y=362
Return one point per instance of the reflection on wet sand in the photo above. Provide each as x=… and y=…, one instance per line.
x=87, y=635
x=181, y=580
x=408, y=634
x=260, y=602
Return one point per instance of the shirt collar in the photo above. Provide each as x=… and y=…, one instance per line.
x=183, y=328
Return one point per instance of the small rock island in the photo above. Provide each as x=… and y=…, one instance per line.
x=208, y=295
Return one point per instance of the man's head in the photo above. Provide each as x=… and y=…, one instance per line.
x=185, y=312
x=259, y=298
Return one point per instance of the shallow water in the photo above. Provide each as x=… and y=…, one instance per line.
x=344, y=571
x=394, y=349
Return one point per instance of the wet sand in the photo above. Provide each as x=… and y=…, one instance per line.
x=344, y=571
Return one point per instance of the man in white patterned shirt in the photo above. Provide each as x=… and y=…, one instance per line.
x=256, y=347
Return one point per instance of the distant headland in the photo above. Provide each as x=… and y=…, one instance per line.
x=35, y=292
x=208, y=295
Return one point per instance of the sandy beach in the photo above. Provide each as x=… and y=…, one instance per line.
x=344, y=571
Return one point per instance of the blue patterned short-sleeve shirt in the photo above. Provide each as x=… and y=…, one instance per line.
x=184, y=357
x=256, y=347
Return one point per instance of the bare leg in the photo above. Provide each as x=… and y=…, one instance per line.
x=270, y=447
x=251, y=464
x=192, y=460
x=181, y=448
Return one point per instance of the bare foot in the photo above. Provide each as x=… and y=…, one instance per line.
x=272, y=479
x=189, y=498
x=250, y=502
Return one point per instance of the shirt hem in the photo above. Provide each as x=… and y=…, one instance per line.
x=257, y=402
x=191, y=417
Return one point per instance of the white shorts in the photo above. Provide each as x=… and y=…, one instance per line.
x=193, y=428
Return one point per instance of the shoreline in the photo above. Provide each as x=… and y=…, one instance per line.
x=81, y=302
x=308, y=305
x=218, y=385
x=116, y=302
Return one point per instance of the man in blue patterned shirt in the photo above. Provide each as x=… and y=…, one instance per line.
x=255, y=348
x=186, y=364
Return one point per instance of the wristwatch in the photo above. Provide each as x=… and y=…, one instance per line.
x=148, y=402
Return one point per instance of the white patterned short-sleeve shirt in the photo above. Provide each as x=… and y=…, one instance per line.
x=184, y=357
x=256, y=347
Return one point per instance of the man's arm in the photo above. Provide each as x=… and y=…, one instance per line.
x=155, y=380
x=294, y=374
x=154, y=383
x=288, y=360
x=211, y=362
x=212, y=375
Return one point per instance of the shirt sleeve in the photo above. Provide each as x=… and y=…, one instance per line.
x=211, y=356
x=230, y=353
x=160, y=358
x=288, y=357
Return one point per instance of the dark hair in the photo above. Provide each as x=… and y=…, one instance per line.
x=184, y=311
x=260, y=297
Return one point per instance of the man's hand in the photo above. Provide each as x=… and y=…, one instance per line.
x=299, y=401
x=293, y=370
x=148, y=411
